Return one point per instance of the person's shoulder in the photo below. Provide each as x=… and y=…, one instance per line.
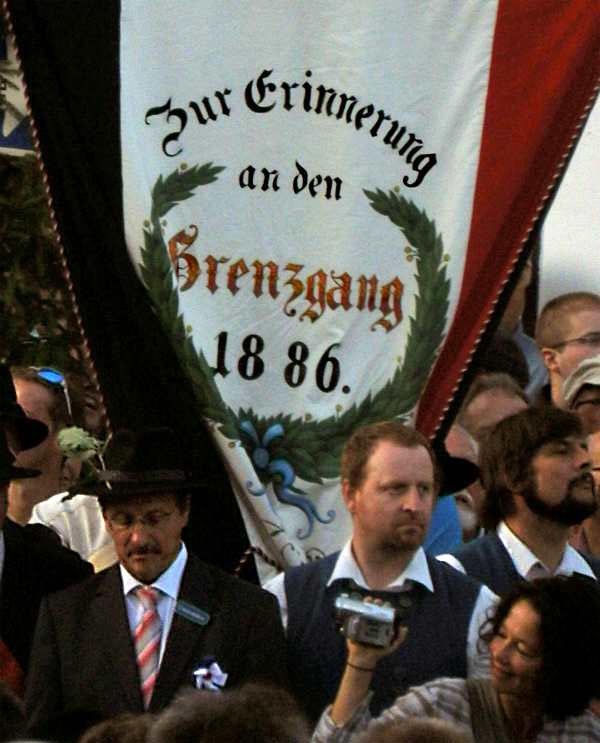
x=581, y=727
x=300, y=573
x=484, y=541
x=63, y=503
x=225, y=582
x=45, y=547
x=49, y=508
x=440, y=692
x=81, y=592
x=446, y=571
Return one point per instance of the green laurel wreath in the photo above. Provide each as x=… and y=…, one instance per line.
x=311, y=447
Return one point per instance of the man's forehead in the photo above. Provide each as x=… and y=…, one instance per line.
x=33, y=396
x=398, y=453
x=584, y=320
x=142, y=503
x=570, y=440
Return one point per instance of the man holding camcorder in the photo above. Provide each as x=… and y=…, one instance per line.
x=390, y=482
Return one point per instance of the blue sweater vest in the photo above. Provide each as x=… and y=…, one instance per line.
x=487, y=560
x=436, y=643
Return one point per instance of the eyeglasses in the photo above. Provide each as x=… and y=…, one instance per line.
x=56, y=379
x=593, y=401
x=591, y=339
x=153, y=520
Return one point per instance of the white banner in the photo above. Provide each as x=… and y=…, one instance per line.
x=298, y=183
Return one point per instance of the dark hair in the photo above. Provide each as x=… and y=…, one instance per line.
x=554, y=319
x=414, y=730
x=504, y=356
x=363, y=442
x=507, y=450
x=124, y=728
x=253, y=712
x=569, y=610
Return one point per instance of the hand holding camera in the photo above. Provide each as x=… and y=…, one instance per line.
x=372, y=627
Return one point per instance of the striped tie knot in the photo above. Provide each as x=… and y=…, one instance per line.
x=148, y=597
x=147, y=637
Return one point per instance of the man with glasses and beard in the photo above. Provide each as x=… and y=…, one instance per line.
x=536, y=472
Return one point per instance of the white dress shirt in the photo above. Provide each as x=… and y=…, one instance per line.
x=528, y=565
x=417, y=571
x=168, y=584
x=79, y=523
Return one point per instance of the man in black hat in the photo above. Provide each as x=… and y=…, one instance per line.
x=32, y=564
x=161, y=619
x=390, y=481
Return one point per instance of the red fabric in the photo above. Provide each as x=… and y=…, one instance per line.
x=10, y=671
x=545, y=67
x=147, y=641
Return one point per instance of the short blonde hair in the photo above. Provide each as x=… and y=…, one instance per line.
x=553, y=322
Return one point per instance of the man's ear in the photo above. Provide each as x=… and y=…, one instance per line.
x=348, y=494
x=549, y=355
x=186, y=510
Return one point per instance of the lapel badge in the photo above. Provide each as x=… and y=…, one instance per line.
x=192, y=613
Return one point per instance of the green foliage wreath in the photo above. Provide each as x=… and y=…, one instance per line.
x=311, y=448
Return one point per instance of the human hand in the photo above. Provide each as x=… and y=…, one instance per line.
x=365, y=657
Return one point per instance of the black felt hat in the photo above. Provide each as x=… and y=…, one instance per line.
x=8, y=471
x=140, y=462
x=28, y=432
x=455, y=473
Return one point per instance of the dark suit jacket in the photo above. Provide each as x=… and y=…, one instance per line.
x=35, y=564
x=83, y=655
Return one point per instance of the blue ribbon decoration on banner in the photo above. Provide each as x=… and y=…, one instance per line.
x=282, y=475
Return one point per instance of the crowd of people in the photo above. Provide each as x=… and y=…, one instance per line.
x=472, y=609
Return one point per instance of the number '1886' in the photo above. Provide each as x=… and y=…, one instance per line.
x=250, y=364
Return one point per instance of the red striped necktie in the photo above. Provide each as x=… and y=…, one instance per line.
x=147, y=641
x=10, y=671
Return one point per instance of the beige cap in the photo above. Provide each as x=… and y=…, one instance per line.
x=588, y=372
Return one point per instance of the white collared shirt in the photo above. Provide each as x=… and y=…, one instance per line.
x=528, y=565
x=417, y=571
x=79, y=523
x=168, y=584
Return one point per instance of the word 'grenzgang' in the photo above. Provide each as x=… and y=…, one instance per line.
x=306, y=296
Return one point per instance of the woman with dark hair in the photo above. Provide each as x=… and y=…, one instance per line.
x=544, y=643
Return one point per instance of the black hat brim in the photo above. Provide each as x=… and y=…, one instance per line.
x=111, y=489
x=16, y=473
x=29, y=432
x=456, y=473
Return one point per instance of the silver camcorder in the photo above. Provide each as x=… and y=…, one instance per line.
x=366, y=623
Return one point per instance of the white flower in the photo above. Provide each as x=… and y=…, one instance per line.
x=78, y=443
x=211, y=678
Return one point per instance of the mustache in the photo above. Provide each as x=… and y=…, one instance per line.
x=144, y=549
x=407, y=518
x=585, y=479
